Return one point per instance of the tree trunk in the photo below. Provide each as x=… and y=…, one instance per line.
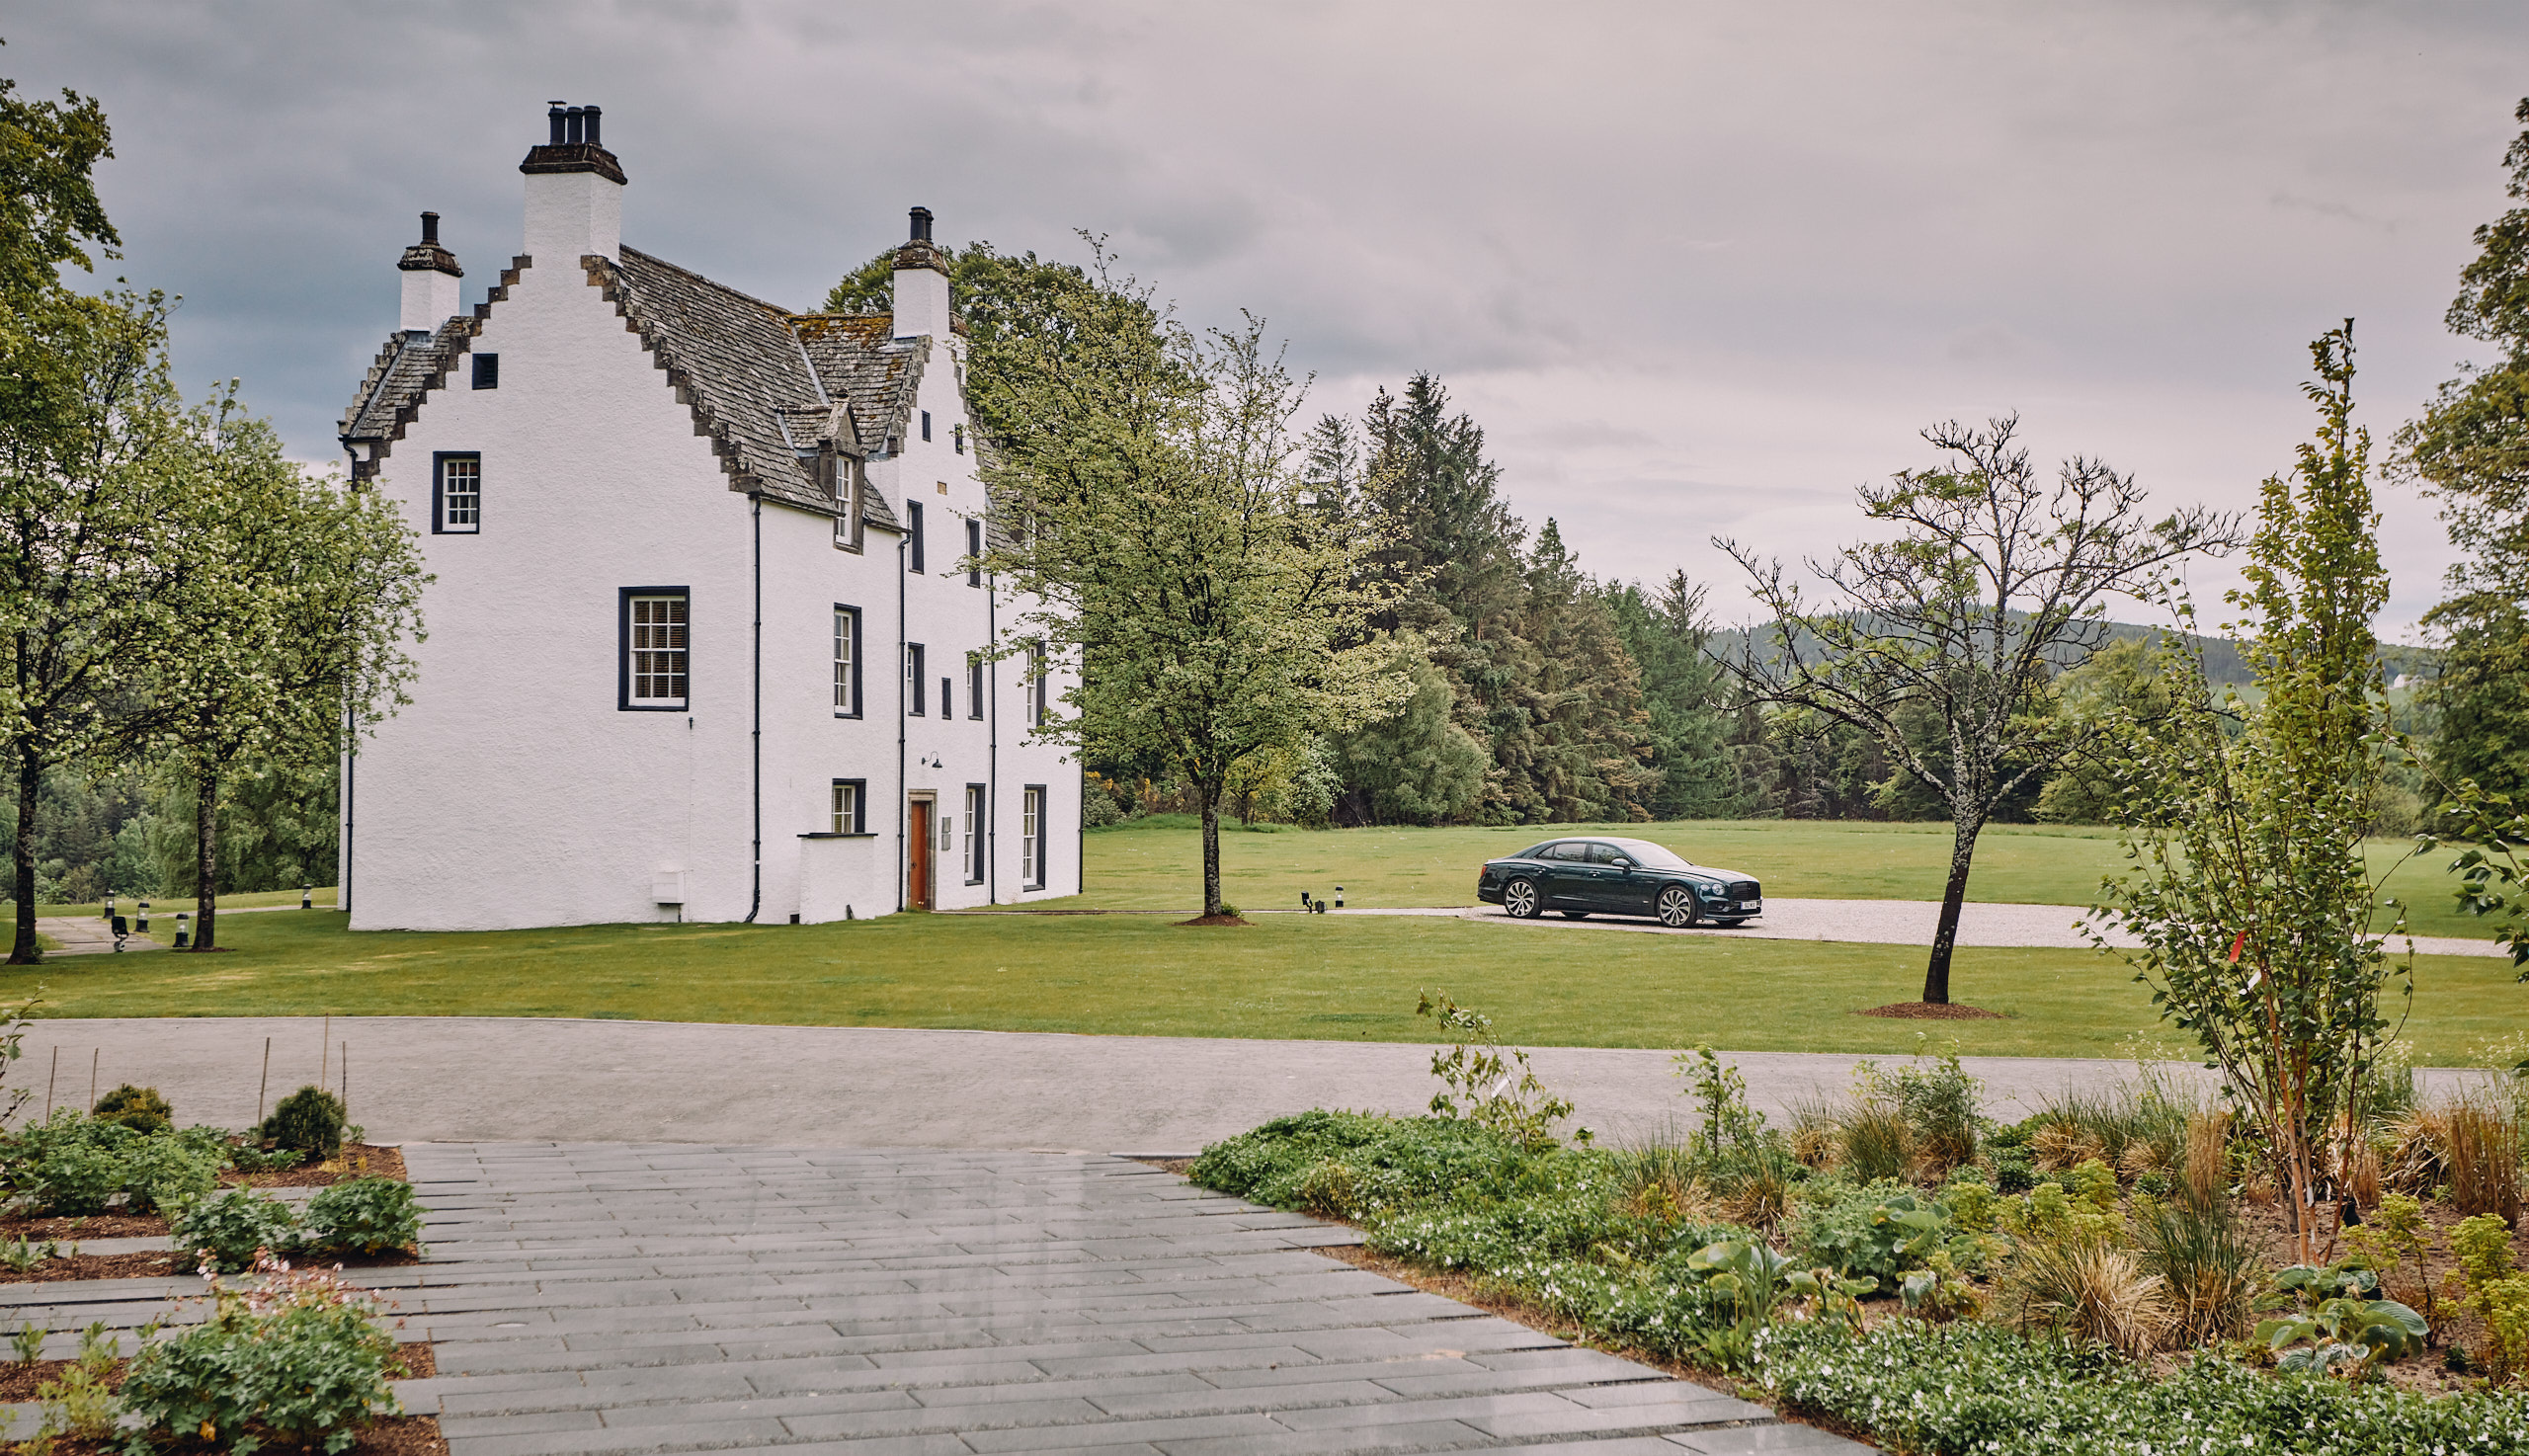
x=1210, y=794
x=205, y=857
x=22, y=948
x=1945, y=938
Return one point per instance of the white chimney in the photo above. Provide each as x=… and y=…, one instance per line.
x=574, y=192
x=429, y=279
x=921, y=283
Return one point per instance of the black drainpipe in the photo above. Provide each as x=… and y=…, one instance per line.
x=755, y=901
x=351, y=773
x=904, y=865
x=992, y=757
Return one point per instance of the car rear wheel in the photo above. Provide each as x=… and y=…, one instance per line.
x=1520, y=900
x=1575, y=915
x=1676, y=907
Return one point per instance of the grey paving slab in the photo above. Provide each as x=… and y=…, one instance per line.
x=594, y=1299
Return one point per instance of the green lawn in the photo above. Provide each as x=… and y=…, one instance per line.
x=1288, y=976
x=1133, y=867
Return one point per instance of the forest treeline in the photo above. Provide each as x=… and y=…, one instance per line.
x=1545, y=695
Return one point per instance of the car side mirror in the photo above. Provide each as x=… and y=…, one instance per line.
x=1625, y=865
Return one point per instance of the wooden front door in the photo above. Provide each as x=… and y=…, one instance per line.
x=918, y=886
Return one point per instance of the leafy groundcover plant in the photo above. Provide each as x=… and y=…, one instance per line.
x=1618, y=1242
x=300, y=1360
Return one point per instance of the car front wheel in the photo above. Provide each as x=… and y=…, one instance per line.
x=1676, y=907
x=1520, y=899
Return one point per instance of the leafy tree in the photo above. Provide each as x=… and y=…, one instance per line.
x=2252, y=899
x=1153, y=509
x=2124, y=689
x=92, y=486
x=289, y=627
x=2470, y=450
x=1417, y=767
x=48, y=208
x=1991, y=578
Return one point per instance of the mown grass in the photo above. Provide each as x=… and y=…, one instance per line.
x=1311, y=977
x=1141, y=866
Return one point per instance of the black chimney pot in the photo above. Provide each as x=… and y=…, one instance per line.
x=555, y=116
x=574, y=125
x=921, y=224
x=592, y=114
x=429, y=227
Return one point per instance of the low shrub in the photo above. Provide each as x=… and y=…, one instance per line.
x=71, y=1165
x=367, y=1215
x=234, y=1230
x=1968, y=1387
x=2485, y=1283
x=302, y=1360
x=308, y=1120
x=1384, y=1162
x=1878, y=1232
x=139, y=1108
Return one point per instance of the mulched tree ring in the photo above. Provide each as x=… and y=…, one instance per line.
x=1930, y=1010
x=1216, y=920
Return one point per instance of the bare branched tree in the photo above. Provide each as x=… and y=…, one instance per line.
x=1994, y=583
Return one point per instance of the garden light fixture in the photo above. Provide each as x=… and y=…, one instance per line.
x=143, y=925
x=183, y=937
x=306, y=897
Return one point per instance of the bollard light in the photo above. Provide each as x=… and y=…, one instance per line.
x=183, y=938
x=1338, y=896
x=306, y=897
x=143, y=924
x=110, y=906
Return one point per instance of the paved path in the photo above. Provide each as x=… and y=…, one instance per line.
x=587, y=1299
x=85, y=934
x=462, y=1079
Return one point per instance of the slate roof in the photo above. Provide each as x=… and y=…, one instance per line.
x=768, y=387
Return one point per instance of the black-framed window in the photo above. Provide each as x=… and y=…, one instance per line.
x=848, y=806
x=913, y=536
x=974, y=553
x=913, y=679
x=974, y=685
x=456, y=493
x=487, y=371
x=945, y=699
x=846, y=660
x=654, y=653
x=975, y=841
x=1032, y=838
x=926, y=425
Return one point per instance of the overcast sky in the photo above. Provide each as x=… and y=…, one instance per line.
x=1696, y=269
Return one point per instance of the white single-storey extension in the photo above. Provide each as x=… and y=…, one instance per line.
x=702, y=639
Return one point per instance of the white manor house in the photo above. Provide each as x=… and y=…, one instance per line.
x=704, y=642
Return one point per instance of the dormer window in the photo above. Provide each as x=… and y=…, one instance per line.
x=843, y=486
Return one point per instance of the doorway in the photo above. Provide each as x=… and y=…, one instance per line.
x=918, y=875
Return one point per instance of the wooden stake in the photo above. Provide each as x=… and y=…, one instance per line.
x=266, y=1085
x=49, y=1080
x=325, y=1052
x=347, y=1082
x=94, y=1057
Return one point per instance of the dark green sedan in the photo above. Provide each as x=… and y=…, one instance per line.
x=1610, y=876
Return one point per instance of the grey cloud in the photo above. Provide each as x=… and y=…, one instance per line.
x=1769, y=242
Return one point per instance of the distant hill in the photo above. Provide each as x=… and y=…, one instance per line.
x=2223, y=663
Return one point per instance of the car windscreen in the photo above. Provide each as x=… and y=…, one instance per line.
x=1650, y=855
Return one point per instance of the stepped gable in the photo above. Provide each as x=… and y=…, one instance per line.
x=408, y=365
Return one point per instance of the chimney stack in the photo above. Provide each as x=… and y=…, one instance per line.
x=921, y=283
x=429, y=275
x=574, y=190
